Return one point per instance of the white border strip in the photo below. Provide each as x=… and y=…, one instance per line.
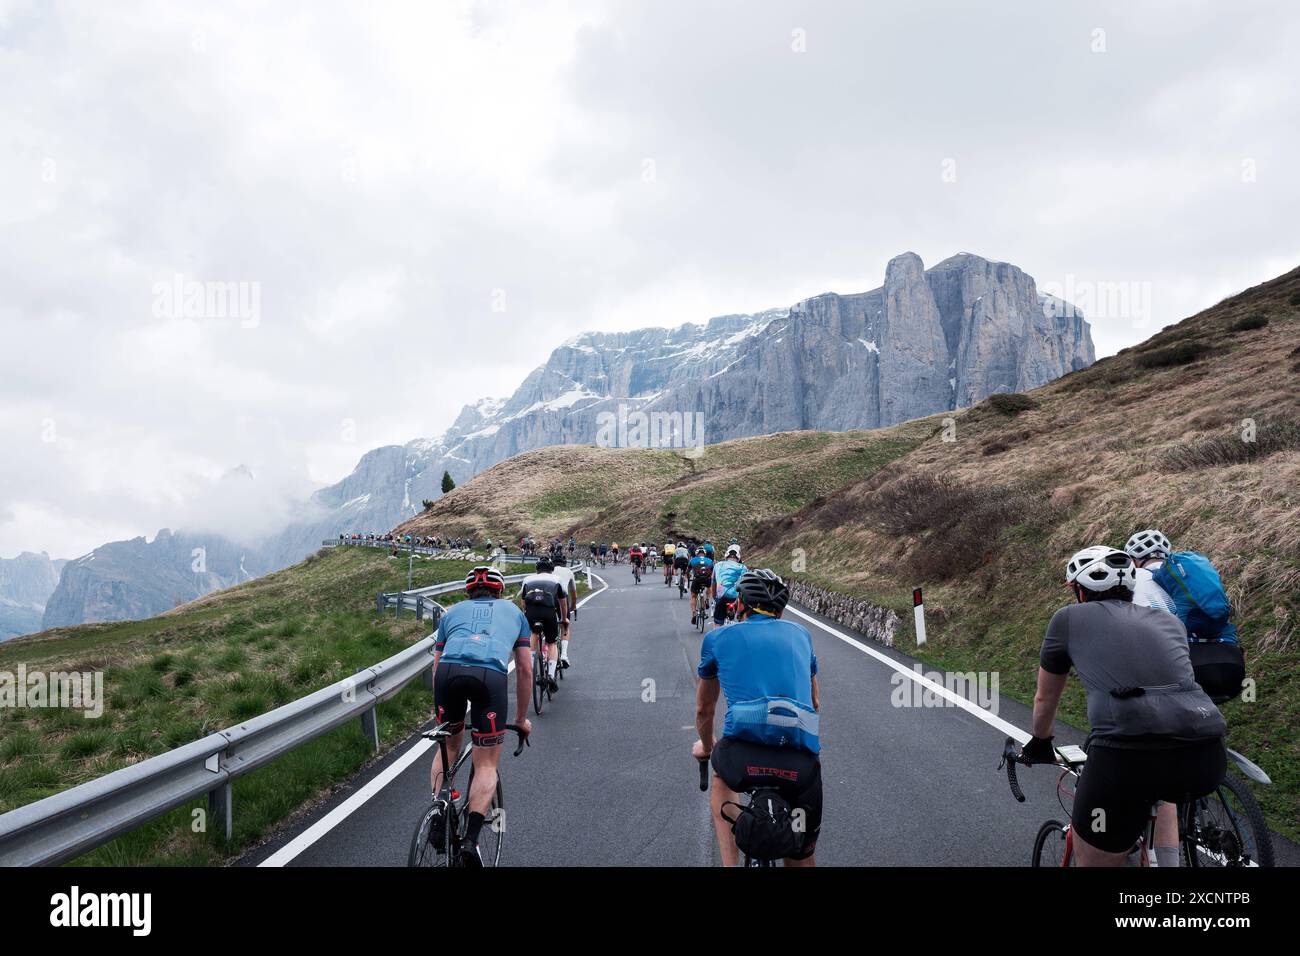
x=353, y=803
x=992, y=720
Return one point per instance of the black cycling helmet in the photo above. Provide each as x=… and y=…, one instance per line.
x=545, y=564
x=561, y=561
x=763, y=590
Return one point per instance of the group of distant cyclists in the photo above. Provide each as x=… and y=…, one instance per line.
x=1141, y=651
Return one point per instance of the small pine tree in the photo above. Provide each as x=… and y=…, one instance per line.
x=426, y=504
x=447, y=483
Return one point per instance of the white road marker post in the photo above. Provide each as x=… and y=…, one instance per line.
x=918, y=611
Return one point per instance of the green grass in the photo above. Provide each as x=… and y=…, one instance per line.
x=232, y=656
x=175, y=678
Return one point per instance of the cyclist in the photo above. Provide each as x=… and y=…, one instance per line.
x=681, y=559
x=571, y=593
x=1148, y=549
x=613, y=548
x=594, y=550
x=651, y=557
x=668, y=550
x=701, y=571
x=767, y=670
x=471, y=658
x=573, y=546
x=708, y=550
x=544, y=601
x=635, y=556
x=1155, y=736
x=725, y=575
x=604, y=550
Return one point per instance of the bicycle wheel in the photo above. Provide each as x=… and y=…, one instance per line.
x=423, y=852
x=1227, y=828
x=539, y=675
x=1049, y=845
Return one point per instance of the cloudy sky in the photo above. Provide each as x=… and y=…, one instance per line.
x=414, y=202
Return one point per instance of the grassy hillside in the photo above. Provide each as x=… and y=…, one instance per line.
x=623, y=494
x=205, y=666
x=1152, y=437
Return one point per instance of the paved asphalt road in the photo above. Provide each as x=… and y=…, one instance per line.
x=609, y=779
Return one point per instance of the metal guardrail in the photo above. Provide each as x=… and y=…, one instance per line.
x=64, y=826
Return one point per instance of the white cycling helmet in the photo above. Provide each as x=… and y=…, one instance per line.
x=1147, y=544
x=1100, y=568
x=733, y=549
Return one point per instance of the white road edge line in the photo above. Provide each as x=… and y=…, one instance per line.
x=992, y=720
x=353, y=803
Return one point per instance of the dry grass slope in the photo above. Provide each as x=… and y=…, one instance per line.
x=1154, y=436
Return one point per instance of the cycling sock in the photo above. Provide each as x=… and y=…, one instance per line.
x=564, y=649
x=550, y=668
x=1166, y=856
x=472, y=827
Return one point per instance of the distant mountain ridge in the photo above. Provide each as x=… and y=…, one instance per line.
x=923, y=342
x=26, y=583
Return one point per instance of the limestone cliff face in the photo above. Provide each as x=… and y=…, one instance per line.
x=926, y=341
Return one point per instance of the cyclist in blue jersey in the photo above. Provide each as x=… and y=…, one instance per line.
x=699, y=572
x=725, y=575
x=766, y=668
x=708, y=550
x=471, y=658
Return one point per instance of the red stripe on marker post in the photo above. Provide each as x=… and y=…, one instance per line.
x=918, y=612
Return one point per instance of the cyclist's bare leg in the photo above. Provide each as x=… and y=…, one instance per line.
x=453, y=749
x=1085, y=854
x=484, y=785
x=719, y=794
x=1166, y=837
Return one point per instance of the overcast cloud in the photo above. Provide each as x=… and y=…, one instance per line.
x=383, y=176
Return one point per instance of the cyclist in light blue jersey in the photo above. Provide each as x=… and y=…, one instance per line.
x=475, y=642
x=766, y=669
x=725, y=575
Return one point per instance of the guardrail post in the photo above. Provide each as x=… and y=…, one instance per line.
x=379, y=602
x=419, y=609
x=370, y=727
x=219, y=808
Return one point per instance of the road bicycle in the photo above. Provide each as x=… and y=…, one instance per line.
x=681, y=585
x=1224, y=828
x=543, y=691
x=636, y=571
x=440, y=834
x=703, y=608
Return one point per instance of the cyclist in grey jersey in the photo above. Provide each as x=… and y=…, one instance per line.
x=1155, y=734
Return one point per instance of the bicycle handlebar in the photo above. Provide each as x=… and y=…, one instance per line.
x=442, y=731
x=704, y=773
x=524, y=739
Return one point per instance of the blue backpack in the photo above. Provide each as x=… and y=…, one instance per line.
x=1202, y=604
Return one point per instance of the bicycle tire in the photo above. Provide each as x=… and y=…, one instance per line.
x=422, y=853
x=1049, y=845
x=1247, y=843
x=539, y=670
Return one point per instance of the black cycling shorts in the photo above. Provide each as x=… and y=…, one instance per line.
x=681, y=563
x=698, y=584
x=721, y=611
x=458, y=686
x=1119, y=785
x=548, y=617
x=796, y=774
